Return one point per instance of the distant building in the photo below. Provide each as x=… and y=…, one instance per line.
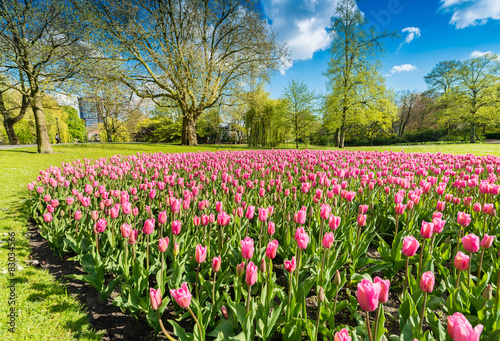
x=89, y=113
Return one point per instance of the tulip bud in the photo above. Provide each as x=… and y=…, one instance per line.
x=224, y=312
x=488, y=293
x=337, y=280
x=176, y=249
x=321, y=295
x=240, y=269
x=262, y=267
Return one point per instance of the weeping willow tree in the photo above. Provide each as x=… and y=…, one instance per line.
x=265, y=120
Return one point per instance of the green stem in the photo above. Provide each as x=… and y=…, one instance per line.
x=290, y=295
x=249, y=297
x=147, y=256
x=332, y=326
x=368, y=329
x=317, y=320
x=421, y=258
x=198, y=323
x=458, y=279
x=406, y=278
x=375, y=323
x=163, y=327
x=470, y=267
x=422, y=314
x=213, y=289
x=480, y=265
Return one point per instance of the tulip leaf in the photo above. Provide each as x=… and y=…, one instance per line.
x=179, y=331
x=435, y=324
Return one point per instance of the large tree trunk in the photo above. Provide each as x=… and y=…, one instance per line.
x=337, y=138
x=9, y=121
x=296, y=132
x=42, y=135
x=189, y=130
x=472, y=133
x=342, y=136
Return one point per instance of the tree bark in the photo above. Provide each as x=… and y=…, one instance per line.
x=42, y=135
x=342, y=136
x=472, y=133
x=9, y=121
x=189, y=137
x=337, y=138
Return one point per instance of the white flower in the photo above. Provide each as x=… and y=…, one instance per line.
x=35, y=262
x=19, y=267
x=4, y=272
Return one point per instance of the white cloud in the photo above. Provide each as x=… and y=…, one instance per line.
x=403, y=67
x=413, y=32
x=471, y=12
x=302, y=24
x=478, y=54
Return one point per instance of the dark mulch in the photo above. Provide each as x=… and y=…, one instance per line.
x=104, y=316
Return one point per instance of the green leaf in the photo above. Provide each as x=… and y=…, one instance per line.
x=178, y=331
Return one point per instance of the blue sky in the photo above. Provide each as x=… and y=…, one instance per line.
x=431, y=31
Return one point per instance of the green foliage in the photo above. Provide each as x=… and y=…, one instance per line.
x=76, y=126
x=265, y=119
x=159, y=129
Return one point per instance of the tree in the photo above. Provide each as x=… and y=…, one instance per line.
x=406, y=109
x=76, y=126
x=352, y=67
x=479, y=86
x=195, y=53
x=40, y=47
x=466, y=90
x=8, y=109
x=265, y=119
x=299, y=104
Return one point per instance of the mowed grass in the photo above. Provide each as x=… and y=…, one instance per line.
x=44, y=309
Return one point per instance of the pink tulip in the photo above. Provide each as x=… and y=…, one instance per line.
x=325, y=211
x=487, y=208
x=272, y=247
x=125, y=230
x=302, y=238
x=427, y=282
x=476, y=207
x=263, y=214
x=368, y=294
x=399, y=209
x=247, y=248
x=300, y=217
x=328, y=240
x=223, y=219
x=440, y=206
x=460, y=329
x=94, y=215
x=461, y=261
x=196, y=221
x=50, y=208
x=176, y=227
x=239, y=212
x=216, y=262
x=155, y=298
x=427, y=229
x=385, y=284
x=342, y=335
x=218, y=206
x=201, y=254
x=182, y=295
x=471, y=243
x=100, y=225
x=333, y=222
x=251, y=274
x=162, y=217
x=290, y=265
x=487, y=241
x=78, y=215
x=149, y=226
x=177, y=249
x=463, y=219
x=70, y=201
x=361, y=220
x=362, y=209
x=250, y=212
x=132, y=238
x=438, y=225
x=175, y=205
x=47, y=217
x=163, y=244
x=467, y=201
x=271, y=228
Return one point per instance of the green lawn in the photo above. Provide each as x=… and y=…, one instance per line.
x=44, y=308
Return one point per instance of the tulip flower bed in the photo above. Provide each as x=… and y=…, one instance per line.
x=236, y=244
